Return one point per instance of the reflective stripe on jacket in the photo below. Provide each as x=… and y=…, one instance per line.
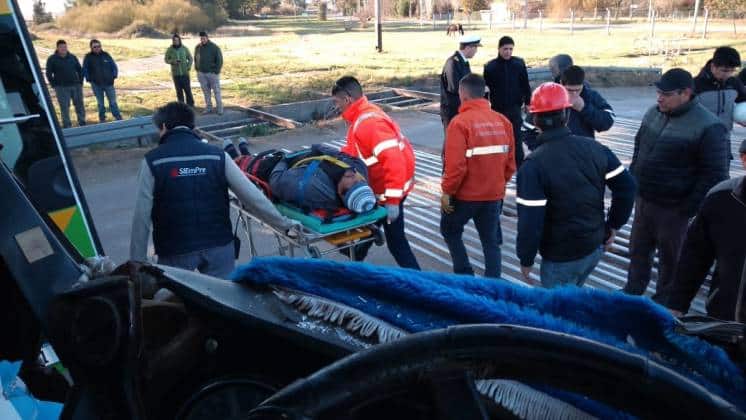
x=377, y=140
x=479, y=155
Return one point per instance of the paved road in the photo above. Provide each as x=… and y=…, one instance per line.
x=108, y=179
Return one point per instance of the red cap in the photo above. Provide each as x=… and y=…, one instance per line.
x=549, y=97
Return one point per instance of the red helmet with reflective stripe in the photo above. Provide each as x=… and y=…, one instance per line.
x=549, y=97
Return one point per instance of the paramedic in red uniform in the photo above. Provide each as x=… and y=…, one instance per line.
x=479, y=161
x=377, y=140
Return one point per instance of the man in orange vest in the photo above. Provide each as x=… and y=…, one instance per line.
x=479, y=161
x=377, y=140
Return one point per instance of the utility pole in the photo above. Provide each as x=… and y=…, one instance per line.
x=379, y=35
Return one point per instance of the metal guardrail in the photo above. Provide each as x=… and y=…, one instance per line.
x=135, y=128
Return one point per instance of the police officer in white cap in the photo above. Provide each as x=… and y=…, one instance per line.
x=456, y=67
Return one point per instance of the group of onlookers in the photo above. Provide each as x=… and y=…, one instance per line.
x=677, y=180
x=66, y=76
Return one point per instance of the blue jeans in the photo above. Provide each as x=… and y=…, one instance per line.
x=217, y=262
x=486, y=215
x=396, y=241
x=111, y=95
x=555, y=274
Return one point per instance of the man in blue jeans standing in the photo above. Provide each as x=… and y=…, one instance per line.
x=100, y=70
x=479, y=162
x=560, y=198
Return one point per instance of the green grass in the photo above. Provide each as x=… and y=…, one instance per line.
x=288, y=59
x=120, y=49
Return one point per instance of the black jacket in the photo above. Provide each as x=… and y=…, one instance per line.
x=560, y=197
x=64, y=71
x=679, y=156
x=100, y=69
x=454, y=70
x=508, y=83
x=718, y=233
x=719, y=97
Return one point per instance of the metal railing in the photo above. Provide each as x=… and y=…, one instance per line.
x=140, y=128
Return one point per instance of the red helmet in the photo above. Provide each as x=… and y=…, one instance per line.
x=549, y=97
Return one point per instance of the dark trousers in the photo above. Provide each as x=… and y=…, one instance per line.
x=73, y=93
x=486, y=215
x=514, y=115
x=183, y=88
x=396, y=241
x=654, y=227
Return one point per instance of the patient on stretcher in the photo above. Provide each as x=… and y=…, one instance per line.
x=317, y=179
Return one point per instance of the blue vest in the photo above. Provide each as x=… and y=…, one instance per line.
x=190, y=195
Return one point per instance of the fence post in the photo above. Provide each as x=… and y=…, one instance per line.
x=734, y=22
x=433, y=21
x=608, y=21
x=541, y=20
x=595, y=13
x=696, y=14
x=653, y=15
x=421, y=13
x=512, y=19
x=630, y=11
x=525, y=14
x=572, y=21
x=707, y=22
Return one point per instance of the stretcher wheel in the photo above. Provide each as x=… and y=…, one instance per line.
x=314, y=252
x=378, y=237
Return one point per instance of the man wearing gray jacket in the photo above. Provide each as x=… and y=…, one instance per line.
x=183, y=193
x=717, y=86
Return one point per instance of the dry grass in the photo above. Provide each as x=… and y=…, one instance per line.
x=282, y=60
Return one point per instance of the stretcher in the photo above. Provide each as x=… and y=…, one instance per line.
x=340, y=235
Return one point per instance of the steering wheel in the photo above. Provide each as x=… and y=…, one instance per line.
x=446, y=363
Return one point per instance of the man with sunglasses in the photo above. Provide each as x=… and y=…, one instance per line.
x=378, y=141
x=681, y=151
x=100, y=70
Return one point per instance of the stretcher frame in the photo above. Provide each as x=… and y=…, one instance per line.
x=308, y=240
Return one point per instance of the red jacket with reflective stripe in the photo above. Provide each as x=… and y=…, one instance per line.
x=479, y=155
x=376, y=139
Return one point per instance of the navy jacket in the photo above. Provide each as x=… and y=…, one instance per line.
x=560, y=197
x=509, y=87
x=100, y=69
x=190, y=195
x=64, y=71
x=596, y=116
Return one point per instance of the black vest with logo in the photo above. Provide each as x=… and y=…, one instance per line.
x=190, y=195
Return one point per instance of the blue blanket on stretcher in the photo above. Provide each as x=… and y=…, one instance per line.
x=418, y=301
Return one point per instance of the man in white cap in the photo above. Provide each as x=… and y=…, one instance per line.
x=455, y=68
